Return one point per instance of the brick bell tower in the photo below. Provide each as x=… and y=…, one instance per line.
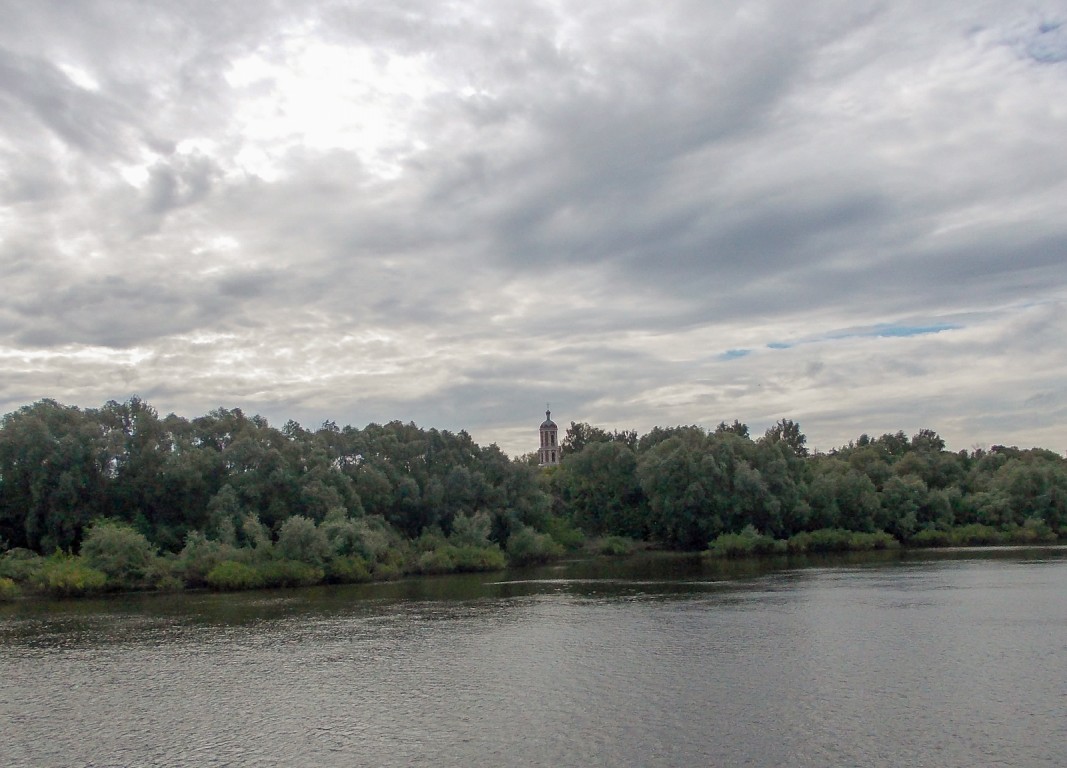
x=550, y=450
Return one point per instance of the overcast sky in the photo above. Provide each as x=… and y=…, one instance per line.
x=852, y=214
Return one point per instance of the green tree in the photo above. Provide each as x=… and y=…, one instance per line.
x=123, y=554
x=602, y=491
x=300, y=539
x=788, y=432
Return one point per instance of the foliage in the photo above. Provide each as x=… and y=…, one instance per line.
x=527, y=547
x=8, y=589
x=975, y=534
x=347, y=569
x=173, y=499
x=200, y=557
x=615, y=546
x=471, y=558
x=840, y=540
x=290, y=573
x=63, y=575
x=457, y=554
x=471, y=530
x=230, y=575
x=124, y=555
x=566, y=535
x=745, y=544
x=301, y=540
x=20, y=564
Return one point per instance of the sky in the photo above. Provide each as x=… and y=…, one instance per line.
x=851, y=214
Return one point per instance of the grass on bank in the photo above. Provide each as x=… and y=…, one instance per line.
x=750, y=542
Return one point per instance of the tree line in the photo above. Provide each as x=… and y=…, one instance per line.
x=228, y=500
x=685, y=486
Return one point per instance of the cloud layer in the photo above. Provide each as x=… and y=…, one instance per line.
x=854, y=216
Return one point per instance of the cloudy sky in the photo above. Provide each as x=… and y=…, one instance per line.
x=848, y=213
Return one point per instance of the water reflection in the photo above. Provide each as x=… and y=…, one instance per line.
x=951, y=659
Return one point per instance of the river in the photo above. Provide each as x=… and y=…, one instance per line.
x=935, y=659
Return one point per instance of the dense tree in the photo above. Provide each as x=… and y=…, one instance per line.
x=55, y=470
x=351, y=503
x=788, y=432
x=601, y=490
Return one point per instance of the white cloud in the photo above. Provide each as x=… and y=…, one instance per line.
x=452, y=216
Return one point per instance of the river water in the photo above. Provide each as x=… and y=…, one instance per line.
x=955, y=659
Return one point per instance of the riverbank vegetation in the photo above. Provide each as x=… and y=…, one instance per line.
x=119, y=498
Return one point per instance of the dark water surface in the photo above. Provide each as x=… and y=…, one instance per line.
x=938, y=660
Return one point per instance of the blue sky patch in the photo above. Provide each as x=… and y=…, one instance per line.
x=733, y=354
x=907, y=330
x=881, y=331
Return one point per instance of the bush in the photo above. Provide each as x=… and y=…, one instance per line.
x=931, y=537
x=231, y=575
x=290, y=573
x=200, y=557
x=436, y=561
x=299, y=540
x=747, y=543
x=8, y=589
x=118, y=551
x=470, y=530
x=527, y=547
x=386, y=570
x=162, y=576
x=1033, y=531
x=616, y=546
x=979, y=535
x=21, y=565
x=463, y=559
x=68, y=576
x=976, y=535
x=347, y=570
x=430, y=540
x=565, y=534
x=471, y=559
x=840, y=540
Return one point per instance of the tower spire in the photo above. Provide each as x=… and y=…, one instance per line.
x=549, y=453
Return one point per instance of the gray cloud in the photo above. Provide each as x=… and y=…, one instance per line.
x=320, y=210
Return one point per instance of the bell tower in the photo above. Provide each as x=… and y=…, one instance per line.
x=550, y=449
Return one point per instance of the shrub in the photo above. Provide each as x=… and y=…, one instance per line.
x=972, y=535
x=431, y=539
x=566, y=534
x=290, y=573
x=200, y=556
x=526, y=547
x=385, y=570
x=118, y=551
x=162, y=575
x=231, y=575
x=840, y=540
x=64, y=575
x=463, y=559
x=470, y=530
x=436, y=561
x=375, y=539
x=747, y=543
x=347, y=570
x=21, y=565
x=8, y=589
x=471, y=559
x=300, y=540
x=1033, y=531
x=616, y=546
x=976, y=535
x=930, y=537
